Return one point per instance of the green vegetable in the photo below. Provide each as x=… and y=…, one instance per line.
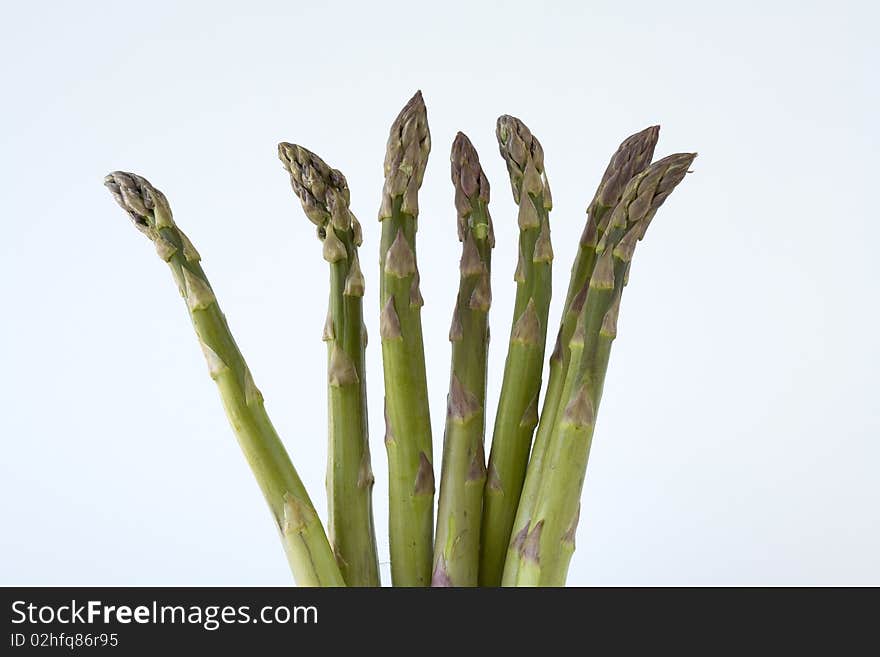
x=407, y=416
x=302, y=534
x=324, y=195
x=543, y=545
x=517, y=413
x=631, y=157
x=511, y=521
x=463, y=473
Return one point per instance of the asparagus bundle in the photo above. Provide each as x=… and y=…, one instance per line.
x=542, y=547
x=463, y=472
x=631, y=157
x=302, y=534
x=324, y=195
x=517, y=413
x=407, y=418
x=514, y=521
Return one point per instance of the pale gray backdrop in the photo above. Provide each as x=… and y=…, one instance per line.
x=738, y=438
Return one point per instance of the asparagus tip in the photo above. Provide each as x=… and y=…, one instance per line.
x=406, y=156
x=414, y=107
x=524, y=156
x=631, y=158
x=517, y=142
x=674, y=169
x=414, y=104
x=467, y=174
x=146, y=205
x=642, y=197
x=413, y=115
x=470, y=182
x=322, y=190
x=668, y=172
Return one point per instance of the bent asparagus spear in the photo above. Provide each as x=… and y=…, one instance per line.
x=632, y=157
x=302, y=534
x=545, y=542
x=407, y=417
x=463, y=472
x=324, y=195
x=517, y=413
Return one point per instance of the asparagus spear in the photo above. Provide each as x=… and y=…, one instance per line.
x=517, y=413
x=407, y=418
x=305, y=542
x=544, y=544
x=324, y=195
x=463, y=472
x=631, y=158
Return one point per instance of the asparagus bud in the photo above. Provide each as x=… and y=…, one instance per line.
x=632, y=157
x=406, y=156
x=524, y=156
x=305, y=542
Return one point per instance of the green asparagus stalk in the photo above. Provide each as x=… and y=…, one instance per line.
x=517, y=413
x=407, y=417
x=463, y=472
x=631, y=158
x=545, y=543
x=324, y=195
x=302, y=534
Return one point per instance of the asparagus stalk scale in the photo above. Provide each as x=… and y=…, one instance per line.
x=632, y=157
x=544, y=543
x=302, y=534
x=463, y=472
x=324, y=195
x=517, y=413
x=407, y=417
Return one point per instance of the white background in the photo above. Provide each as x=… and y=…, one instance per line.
x=739, y=438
